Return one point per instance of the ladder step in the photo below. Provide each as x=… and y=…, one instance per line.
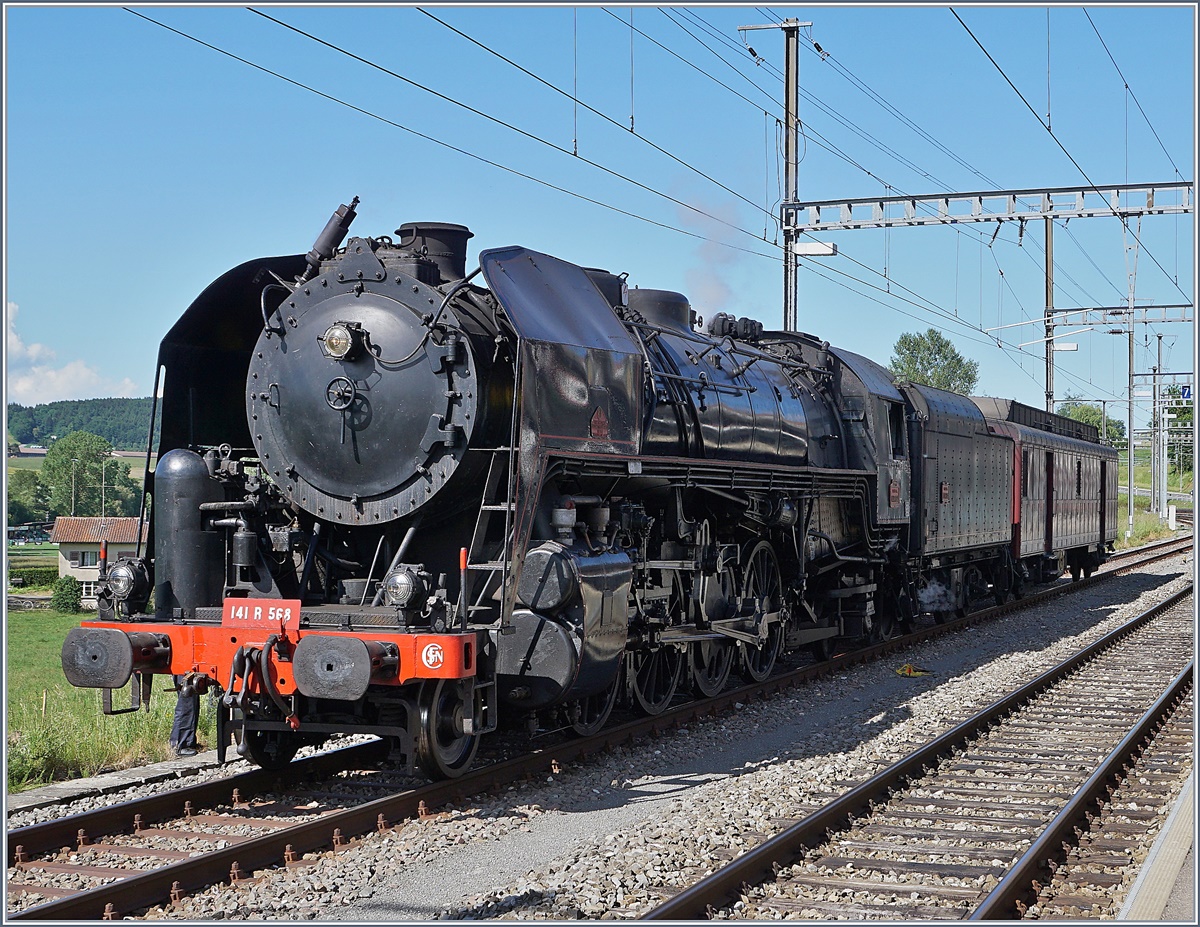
x=508, y=507
x=487, y=565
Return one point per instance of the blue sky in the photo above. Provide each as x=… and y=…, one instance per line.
x=140, y=165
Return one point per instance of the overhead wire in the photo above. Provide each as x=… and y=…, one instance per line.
x=464, y=151
x=591, y=109
x=828, y=57
x=831, y=59
x=1131, y=93
x=821, y=105
x=770, y=14
x=825, y=55
x=926, y=308
x=1063, y=148
x=932, y=306
x=442, y=143
x=501, y=122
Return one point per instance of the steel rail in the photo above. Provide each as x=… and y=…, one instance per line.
x=1016, y=891
x=117, y=819
x=756, y=865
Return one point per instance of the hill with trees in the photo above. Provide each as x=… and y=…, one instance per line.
x=121, y=422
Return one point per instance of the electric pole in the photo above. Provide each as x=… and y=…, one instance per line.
x=1132, y=276
x=791, y=157
x=1049, y=314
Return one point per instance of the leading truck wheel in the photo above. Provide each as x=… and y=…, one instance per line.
x=444, y=750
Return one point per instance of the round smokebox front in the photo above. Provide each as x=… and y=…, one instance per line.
x=357, y=410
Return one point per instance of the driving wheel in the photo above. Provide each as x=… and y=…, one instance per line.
x=653, y=677
x=763, y=585
x=711, y=662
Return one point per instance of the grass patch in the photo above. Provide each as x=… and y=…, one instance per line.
x=137, y=465
x=56, y=731
x=1147, y=526
x=1176, y=482
x=26, y=463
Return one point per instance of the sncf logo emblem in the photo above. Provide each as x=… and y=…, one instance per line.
x=433, y=656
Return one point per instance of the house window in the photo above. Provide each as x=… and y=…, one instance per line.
x=89, y=558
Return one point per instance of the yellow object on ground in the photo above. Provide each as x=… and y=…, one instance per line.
x=909, y=670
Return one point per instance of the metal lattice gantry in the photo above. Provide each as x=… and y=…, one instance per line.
x=1123, y=200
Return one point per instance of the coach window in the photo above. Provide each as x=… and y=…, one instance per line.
x=1025, y=474
x=896, y=427
x=1079, y=478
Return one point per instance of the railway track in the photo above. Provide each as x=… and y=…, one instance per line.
x=973, y=822
x=243, y=823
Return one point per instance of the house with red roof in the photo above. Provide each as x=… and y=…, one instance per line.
x=78, y=541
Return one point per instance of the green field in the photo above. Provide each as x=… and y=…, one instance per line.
x=137, y=465
x=56, y=731
x=1176, y=482
x=25, y=463
x=32, y=555
x=1147, y=526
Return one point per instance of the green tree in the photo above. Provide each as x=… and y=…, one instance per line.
x=74, y=468
x=931, y=359
x=1092, y=414
x=28, y=498
x=67, y=595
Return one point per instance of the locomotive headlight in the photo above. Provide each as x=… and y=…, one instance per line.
x=399, y=587
x=121, y=580
x=128, y=581
x=407, y=586
x=338, y=341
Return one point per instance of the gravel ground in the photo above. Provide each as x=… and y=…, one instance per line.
x=597, y=839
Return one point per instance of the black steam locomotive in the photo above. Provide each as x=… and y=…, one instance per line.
x=391, y=499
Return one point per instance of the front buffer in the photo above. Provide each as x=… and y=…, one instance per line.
x=282, y=687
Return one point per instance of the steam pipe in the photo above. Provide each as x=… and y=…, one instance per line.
x=400, y=551
x=833, y=547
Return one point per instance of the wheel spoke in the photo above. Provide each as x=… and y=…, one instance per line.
x=655, y=675
x=762, y=584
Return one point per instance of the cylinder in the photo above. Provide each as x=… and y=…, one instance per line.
x=189, y=569
x=549, y=579
x=245, y=548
